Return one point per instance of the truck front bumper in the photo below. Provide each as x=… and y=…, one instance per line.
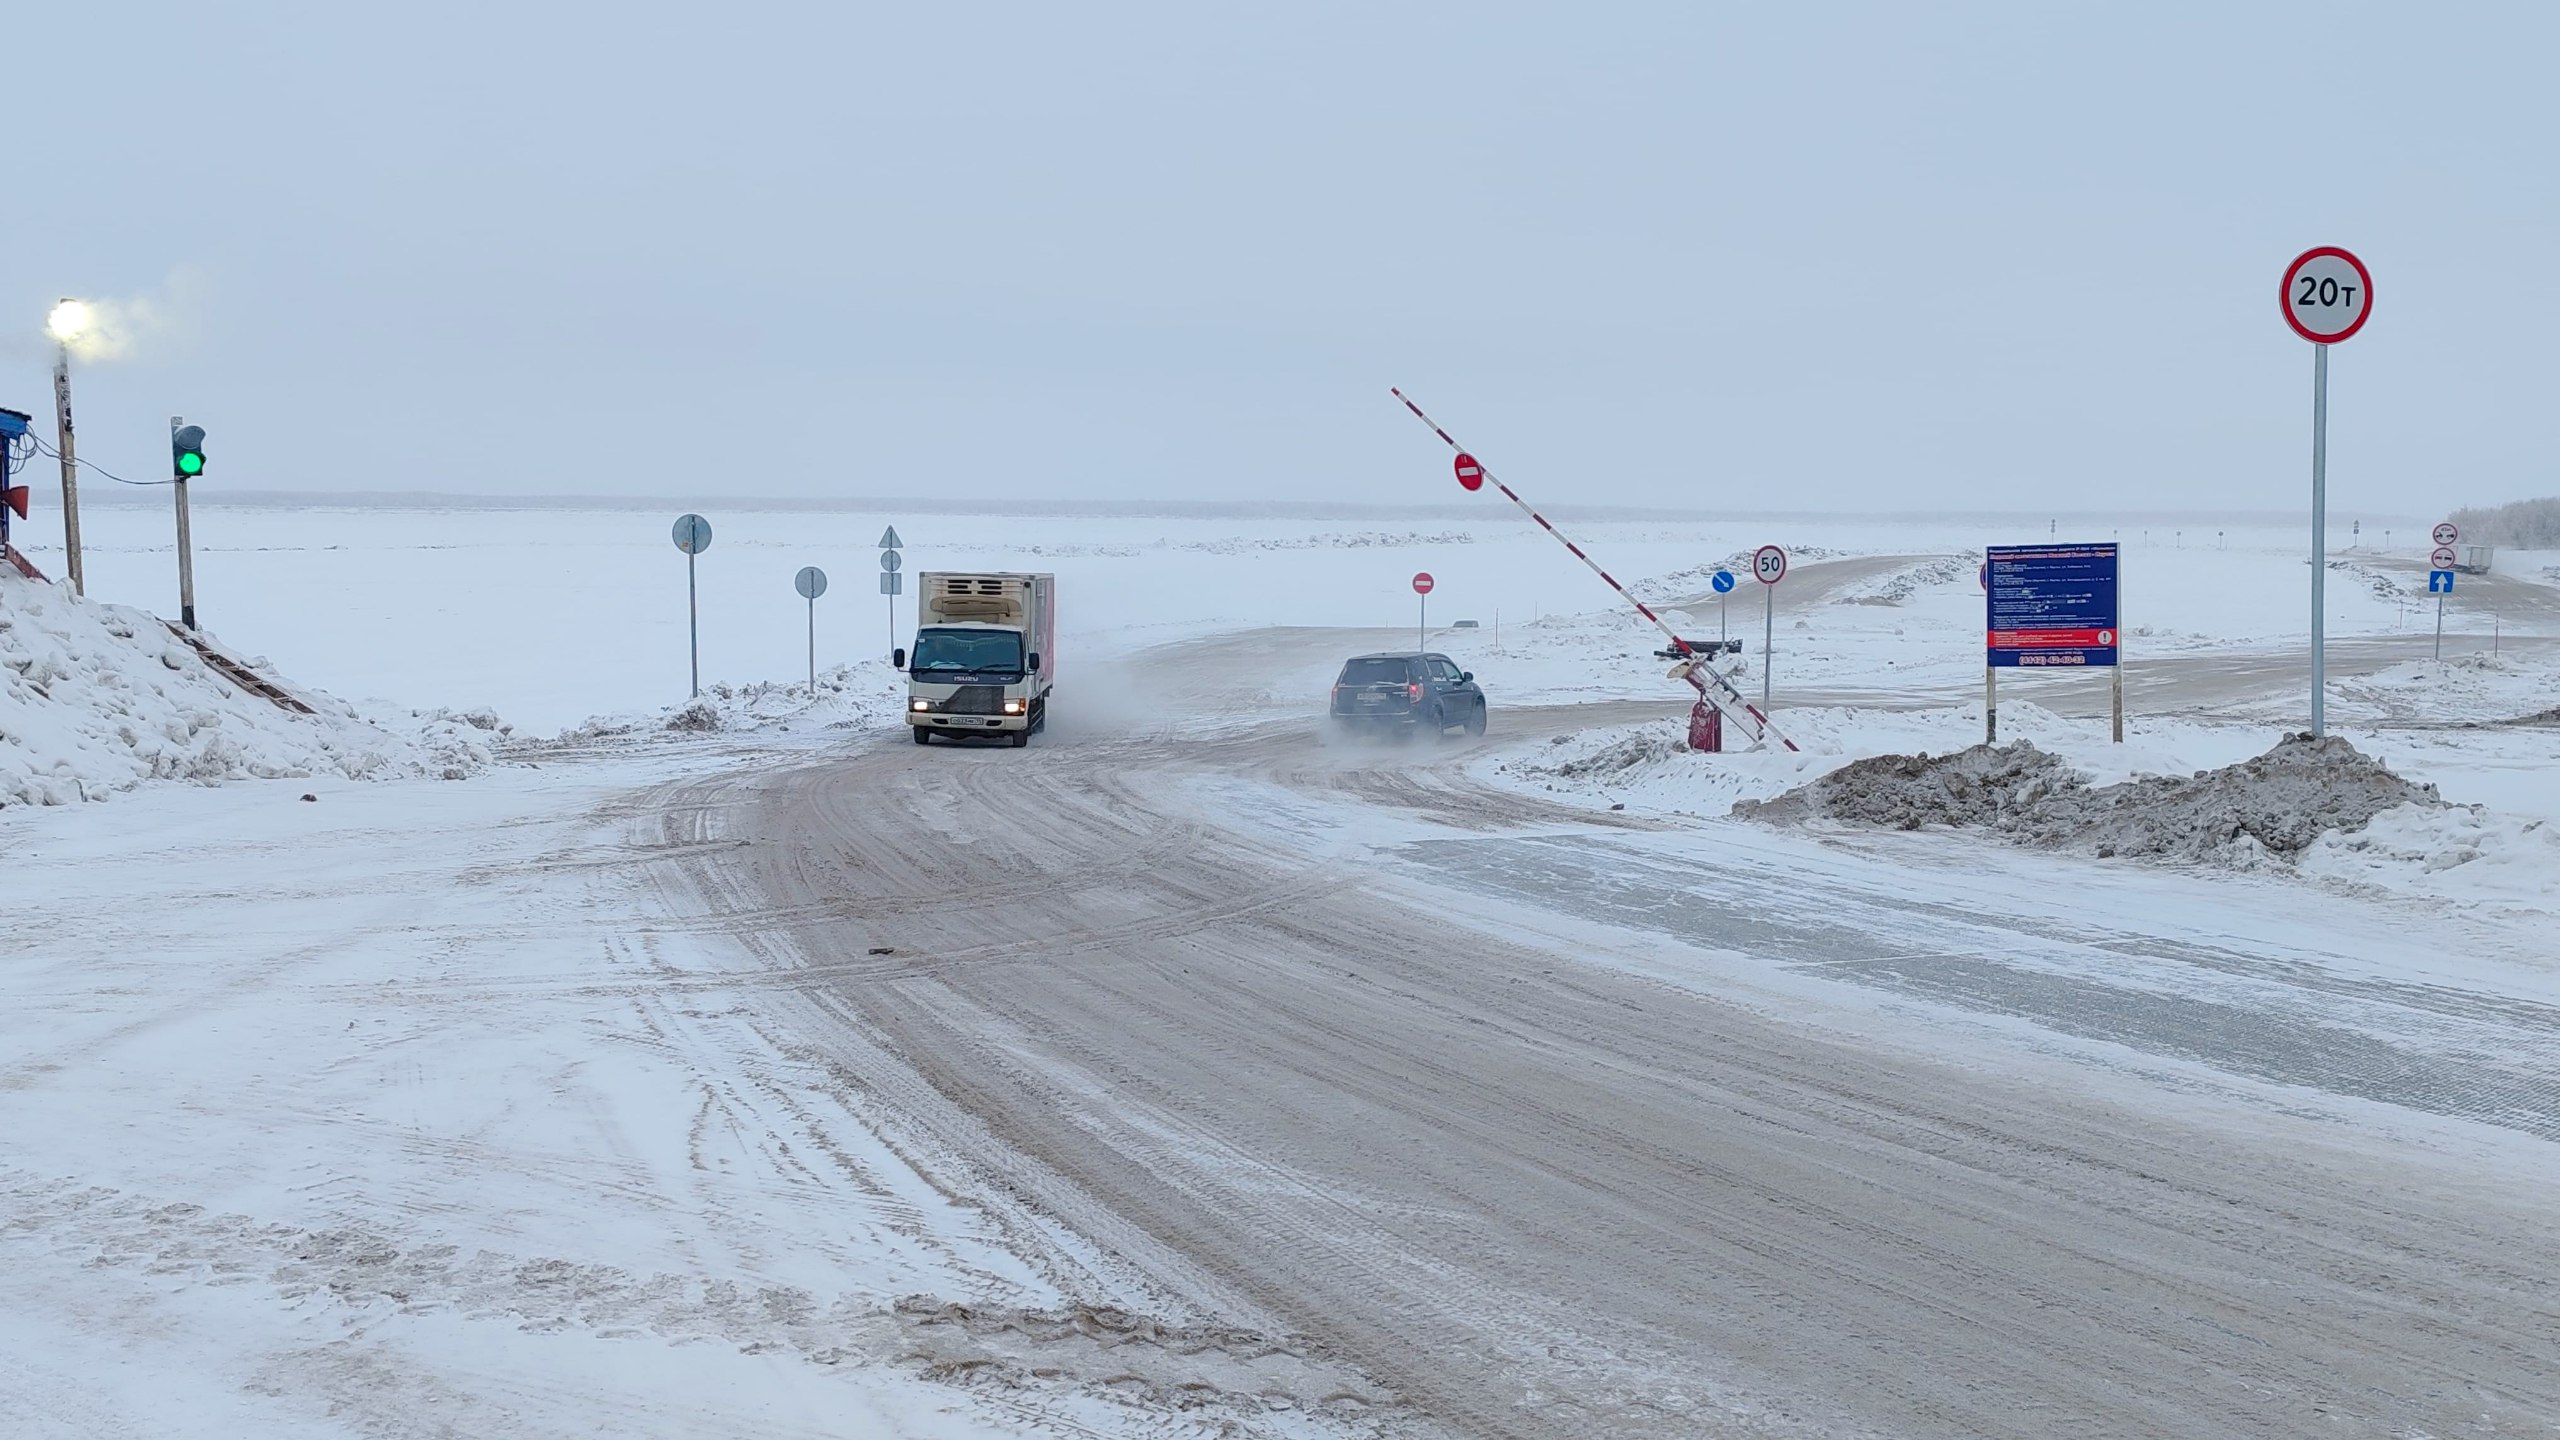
x=967, y=724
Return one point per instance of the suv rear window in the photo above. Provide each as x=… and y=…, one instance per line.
x=1375, y=672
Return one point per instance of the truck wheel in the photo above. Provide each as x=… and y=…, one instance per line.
x=1019, y=738
x=923, y=736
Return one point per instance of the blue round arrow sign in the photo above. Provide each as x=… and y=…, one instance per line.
x=1723, y=581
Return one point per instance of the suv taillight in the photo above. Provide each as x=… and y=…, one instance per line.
x=1413, y=691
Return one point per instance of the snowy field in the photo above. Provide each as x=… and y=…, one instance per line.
x=549, y=617
x=393, y=1077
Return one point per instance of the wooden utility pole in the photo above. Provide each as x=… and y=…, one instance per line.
x=70, y=466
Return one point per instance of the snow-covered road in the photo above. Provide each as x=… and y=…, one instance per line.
x=1554, y=1124
x=1189, y=1076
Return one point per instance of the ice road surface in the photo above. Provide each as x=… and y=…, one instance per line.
x=746, y=1070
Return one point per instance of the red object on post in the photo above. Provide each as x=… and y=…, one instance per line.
x=16, y=496
x=1422, y=583
x=1706, y=728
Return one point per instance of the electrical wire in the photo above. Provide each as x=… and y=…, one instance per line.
x=94, y=465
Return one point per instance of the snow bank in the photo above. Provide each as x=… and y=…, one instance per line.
x=2458, y=851
x=865, y=694
x=2279, y=803
x=1896, y=586
x=2479, y=689
x=97, y=698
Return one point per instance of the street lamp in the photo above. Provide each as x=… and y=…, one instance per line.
x=68, y=320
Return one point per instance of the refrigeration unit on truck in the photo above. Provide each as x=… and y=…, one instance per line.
x=985, y=655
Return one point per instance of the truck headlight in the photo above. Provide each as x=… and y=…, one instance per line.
x=919, y=706
x=1013, y=707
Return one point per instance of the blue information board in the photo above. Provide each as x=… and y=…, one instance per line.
x=2051, y=605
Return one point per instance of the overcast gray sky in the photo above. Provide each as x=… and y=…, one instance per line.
x=1889, y=256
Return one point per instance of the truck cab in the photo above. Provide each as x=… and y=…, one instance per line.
x=985, y=659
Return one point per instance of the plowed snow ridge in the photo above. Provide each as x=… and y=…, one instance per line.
x=2278, y=803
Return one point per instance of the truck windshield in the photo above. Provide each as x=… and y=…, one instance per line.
x=974, y=650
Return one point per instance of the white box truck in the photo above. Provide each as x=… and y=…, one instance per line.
x=985, y=655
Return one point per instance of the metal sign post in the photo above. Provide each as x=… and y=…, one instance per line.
x=186, y=535
x=811, y=582
x=1722, y=584
x=1768, y=566
x=891, y=584
x=693, y=536
x=2327, y=295
x=1422, y=583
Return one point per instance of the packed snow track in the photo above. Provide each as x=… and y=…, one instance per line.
x=1548, y=1126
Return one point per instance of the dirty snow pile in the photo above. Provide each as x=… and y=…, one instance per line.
x=863, y=695
x=2279, y=803
x=98, y=698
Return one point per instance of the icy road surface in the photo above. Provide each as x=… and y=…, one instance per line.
x=1187, y=1076
x=1555, y=1126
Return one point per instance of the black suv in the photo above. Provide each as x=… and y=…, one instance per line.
x=1405, y=693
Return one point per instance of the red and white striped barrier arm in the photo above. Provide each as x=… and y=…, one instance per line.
x=1472, y=473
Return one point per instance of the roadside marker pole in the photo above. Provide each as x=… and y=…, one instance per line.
x=1705, y=680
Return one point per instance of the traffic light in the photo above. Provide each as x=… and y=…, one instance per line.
x=186, y=451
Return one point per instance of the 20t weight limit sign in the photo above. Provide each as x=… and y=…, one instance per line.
x=2327, y=295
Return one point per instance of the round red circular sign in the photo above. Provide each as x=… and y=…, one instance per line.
x=2327, y=295
x=2447, y=533
x=1470, y=474
x=1422, y=583
x=1769, y=564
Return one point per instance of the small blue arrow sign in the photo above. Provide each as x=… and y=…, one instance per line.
x=1723, y=581
x=2439, y=582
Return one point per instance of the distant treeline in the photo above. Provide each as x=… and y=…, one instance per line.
x=2523, y=525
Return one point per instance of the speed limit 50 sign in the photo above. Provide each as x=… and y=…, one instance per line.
x=2327, y=295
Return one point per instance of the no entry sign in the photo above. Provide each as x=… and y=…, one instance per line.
x=1470, y=474
x=2327, y=295
x=1422, y=583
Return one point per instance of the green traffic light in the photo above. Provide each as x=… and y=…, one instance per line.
x=191, y=463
